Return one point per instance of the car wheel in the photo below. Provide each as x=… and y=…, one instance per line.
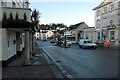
x=95, y=47
x=80, y=46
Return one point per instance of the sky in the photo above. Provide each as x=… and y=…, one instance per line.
x=69, y=13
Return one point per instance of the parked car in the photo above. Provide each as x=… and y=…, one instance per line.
x=44, y=40
x=53, y=41
x=85, y=43
x=68, y=43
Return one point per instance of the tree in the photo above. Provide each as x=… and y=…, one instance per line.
x=25, y=17
x=16, y=17
x=4, y=17
x=11, y=17
x=35, y=18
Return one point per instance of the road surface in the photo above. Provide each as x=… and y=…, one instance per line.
x=85, y=63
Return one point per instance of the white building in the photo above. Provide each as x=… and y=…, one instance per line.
x=44, y=34
x=12, y=38
x=107, y=21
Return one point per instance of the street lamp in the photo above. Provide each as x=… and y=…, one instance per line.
x=57, y=34
x=65, y=37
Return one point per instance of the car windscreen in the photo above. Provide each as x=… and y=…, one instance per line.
x=67, y=41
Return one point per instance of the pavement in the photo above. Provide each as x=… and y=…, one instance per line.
x=39, y=68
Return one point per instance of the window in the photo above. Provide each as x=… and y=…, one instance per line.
x=112, y=7
x=20, y=40
x=26, y=5
x=98, y=23
x=98, y=36
x=8, y=43
x=112, y=36
x=119, y=4
x=2, y=4
x=98, y=13
x=105, y=22
x=86, y=36
x=91, y=35
x=13, y=5
x=8, y=40
x=105, y=10
x=118, y=19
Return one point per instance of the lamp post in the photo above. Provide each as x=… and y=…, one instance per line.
x=65, y=37
x=57, y=35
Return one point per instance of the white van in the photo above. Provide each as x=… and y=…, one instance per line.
x=85, y=43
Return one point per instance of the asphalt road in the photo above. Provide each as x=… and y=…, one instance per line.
x=85, y=63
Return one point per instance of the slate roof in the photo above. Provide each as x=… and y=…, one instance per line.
x=76, y=25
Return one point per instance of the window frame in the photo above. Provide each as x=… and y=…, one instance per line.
x=112, y=7
x=119, y=5
x=9, y=41
x=113, y=35
x=105, y=22
x=98, y=13
x=98, y=36
x=105, y=10
x=98, y=24
x=118, y=19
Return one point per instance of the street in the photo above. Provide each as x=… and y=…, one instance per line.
x=85, y=63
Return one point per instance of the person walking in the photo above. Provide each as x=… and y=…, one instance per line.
x=108, y=43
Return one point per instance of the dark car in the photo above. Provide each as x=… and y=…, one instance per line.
x=53, y=41
x=44, y=40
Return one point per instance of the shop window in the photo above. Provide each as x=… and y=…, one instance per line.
x=86, y=36
x=98, y=36
x=112, y=36
x=91, y=35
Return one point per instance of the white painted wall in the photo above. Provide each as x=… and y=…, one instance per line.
x=37, y=35
x=0, y=44
x=49, y=34
x=8, y=52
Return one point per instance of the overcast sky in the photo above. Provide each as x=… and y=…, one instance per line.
x=65, y=12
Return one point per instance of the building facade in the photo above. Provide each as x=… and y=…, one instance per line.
x=12, y=39
x=107, y=22
x=90, y=34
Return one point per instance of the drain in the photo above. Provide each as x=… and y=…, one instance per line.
x=58, y=61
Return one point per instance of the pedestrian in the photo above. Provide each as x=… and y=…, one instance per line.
x=108, y=43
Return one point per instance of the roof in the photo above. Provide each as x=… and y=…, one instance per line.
x=103, y=3
x=76, y=25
